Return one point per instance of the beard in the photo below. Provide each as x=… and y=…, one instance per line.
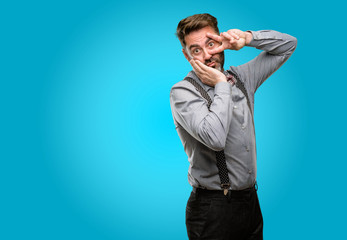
x=218, y=59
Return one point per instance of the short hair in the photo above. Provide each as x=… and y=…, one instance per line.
x=194, y=23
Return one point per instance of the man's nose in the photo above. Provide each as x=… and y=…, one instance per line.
x=206, y=54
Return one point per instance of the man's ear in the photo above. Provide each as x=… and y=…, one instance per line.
x=185, y=54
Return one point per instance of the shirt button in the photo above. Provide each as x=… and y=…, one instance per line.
x=235, y=106
x=243, y=126
x=249, y=171
x=247, y=149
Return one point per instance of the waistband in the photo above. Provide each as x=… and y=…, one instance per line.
x=220, y=193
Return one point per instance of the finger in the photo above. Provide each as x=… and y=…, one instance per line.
x=202, y=66
x=232, y=40
x=233, y=34
x=231, y=37
x=214, y=37
x=199, y=72
x=216, y=50
x=192, y=62
x=226, y=36
x=195, y=66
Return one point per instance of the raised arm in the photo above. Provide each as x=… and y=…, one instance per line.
x=277, y=48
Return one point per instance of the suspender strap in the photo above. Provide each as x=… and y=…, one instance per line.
x=242, y=88
x=220, y=157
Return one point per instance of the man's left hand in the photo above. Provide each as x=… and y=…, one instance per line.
x=233, y=39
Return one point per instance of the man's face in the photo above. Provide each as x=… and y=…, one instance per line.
x=197, y=46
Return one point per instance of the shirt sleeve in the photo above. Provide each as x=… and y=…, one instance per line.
x=277, y=48
x=190, y=111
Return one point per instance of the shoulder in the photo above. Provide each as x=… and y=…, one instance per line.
x=183, y=85
x=181, y=89
x=237, y=73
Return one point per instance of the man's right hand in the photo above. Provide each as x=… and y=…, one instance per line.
x=208, y=75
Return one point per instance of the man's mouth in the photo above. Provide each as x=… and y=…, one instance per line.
x=211, y=64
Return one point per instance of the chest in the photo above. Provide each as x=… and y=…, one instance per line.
x=240, y=108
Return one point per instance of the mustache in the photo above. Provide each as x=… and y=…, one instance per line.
x=211, y=60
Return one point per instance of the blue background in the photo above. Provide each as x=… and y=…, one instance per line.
x=88, y=145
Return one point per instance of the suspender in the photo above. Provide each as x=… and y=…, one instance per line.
x=241, y=86
x=220, y=157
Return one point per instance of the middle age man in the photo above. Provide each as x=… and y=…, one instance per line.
x=213, y=114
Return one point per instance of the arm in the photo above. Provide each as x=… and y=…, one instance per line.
x=190, y=111
x=277, y=48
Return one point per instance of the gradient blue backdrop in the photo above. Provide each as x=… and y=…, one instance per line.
x=88, y=145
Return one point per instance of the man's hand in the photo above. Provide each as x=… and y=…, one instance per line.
x=207, y=75
x=233, y=39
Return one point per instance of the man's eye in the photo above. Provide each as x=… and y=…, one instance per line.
x=196, y=51
x=211, y=44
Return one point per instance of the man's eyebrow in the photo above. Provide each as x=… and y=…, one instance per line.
x=197, y=45
x=194, y=45
x=207, y=40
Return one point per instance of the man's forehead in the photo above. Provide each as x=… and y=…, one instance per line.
x=198, y=36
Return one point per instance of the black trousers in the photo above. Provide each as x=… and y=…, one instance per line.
x=211, y=215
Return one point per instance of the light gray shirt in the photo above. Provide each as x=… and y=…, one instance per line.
x=228, y=124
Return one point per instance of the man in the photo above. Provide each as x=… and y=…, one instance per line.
x=213, y=114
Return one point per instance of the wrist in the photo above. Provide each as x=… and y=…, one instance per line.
x=249, y=37
x=222, y=79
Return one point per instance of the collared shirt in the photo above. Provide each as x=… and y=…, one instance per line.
x=228, y=124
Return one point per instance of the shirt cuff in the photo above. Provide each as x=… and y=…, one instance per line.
x=261, y=35
x=222, y=88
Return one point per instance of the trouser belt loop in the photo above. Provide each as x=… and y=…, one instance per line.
x=229, y=196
